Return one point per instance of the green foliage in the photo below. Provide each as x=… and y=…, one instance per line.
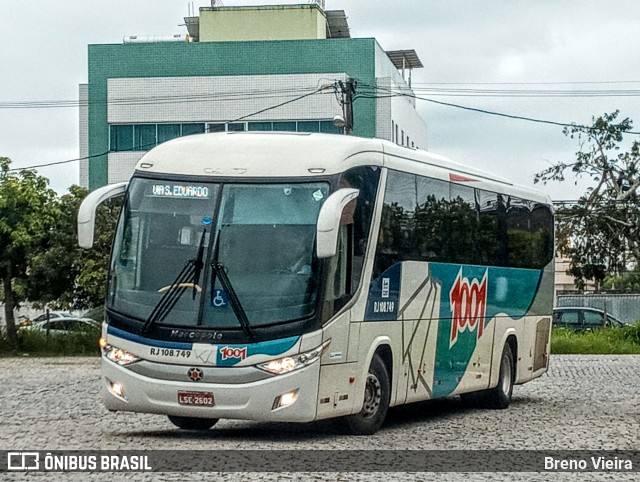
x=26, y=216
x=600, y=233
x=627, y=282
x=39, y=256
x=62, y=274
x=608, y=341
x=96, y=314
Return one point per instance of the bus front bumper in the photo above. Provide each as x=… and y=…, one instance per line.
x=124, y=390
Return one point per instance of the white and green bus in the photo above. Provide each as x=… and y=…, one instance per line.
x=299, y=277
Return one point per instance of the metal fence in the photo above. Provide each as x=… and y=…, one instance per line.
x=624, y=307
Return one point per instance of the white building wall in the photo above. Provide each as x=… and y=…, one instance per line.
x=399, y=110
x=213, y=100
x=220, y=99
x=121, y=165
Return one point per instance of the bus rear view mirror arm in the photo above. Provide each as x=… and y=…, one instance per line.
x=87, y=211
x=329, y=221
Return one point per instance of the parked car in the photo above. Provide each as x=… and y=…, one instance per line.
x=52, y=315
x=25, y=321
x=583, y=318
x=66, y=325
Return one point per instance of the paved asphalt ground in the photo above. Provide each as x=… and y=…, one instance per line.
x=583, y=403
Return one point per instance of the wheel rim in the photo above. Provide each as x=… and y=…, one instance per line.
x=506, y=375
x=372, y=396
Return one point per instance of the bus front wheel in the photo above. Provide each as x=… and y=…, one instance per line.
x=377, y=393
x=192, y=423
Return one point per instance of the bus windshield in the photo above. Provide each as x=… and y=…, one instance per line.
x=221, y=248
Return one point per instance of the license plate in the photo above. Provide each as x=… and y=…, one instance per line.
x=199, y=399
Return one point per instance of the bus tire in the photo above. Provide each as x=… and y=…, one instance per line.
x=500, y=396
x=193, y=423
x=377, y=394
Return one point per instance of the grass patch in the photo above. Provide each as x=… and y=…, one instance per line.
x=38, y=344
x=608, y=341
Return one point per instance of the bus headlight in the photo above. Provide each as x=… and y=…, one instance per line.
x=294, y=362
x=119, y=356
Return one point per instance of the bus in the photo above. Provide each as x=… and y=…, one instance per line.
x=297, y=277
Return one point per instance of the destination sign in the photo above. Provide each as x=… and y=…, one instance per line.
x=180, y=191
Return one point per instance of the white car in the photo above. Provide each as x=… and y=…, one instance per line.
x=65, y=325
x=52, y=316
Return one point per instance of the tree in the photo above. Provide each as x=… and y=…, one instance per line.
x=627, y=282
x=25, y=216
x=92, y=265
x=600, y=233
x=62, y=274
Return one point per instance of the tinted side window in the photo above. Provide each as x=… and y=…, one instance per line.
x=487, y=241
x=518, y=240
x=463, y=218
x=366, y=180
x=541, y=235
x=397, y=237
x=432, y=219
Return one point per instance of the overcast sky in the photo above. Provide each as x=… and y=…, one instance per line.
x=566, y=45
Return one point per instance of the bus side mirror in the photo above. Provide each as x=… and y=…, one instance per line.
x=87, y=211
x=329, y=221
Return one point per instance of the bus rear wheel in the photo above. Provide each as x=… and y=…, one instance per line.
x=500, y=396
x=193, y=423
x=377, y=393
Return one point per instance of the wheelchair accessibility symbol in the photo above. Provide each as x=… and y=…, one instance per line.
x=219, y=299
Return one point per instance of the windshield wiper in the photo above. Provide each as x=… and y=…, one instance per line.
x=219, y=270
x=188, y=276
x=198, y=263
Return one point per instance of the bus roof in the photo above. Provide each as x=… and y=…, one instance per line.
x=279, y=155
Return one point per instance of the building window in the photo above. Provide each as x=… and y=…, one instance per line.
x=393, y=131
x=285, y=126
x=121, y=137
x=236, y=127
x=188, y=129
x=216, y=128
x=166, y=132
x=259, y=126
x=328, y=127
x=144, y=137
x=308, y=126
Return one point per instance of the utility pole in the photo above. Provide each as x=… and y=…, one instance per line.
x=347, y=90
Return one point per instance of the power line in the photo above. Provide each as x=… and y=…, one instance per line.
x=155, y=100
x=144, y=148
x=308, y=94
x=392, y=93
x=526, y=93
x=426, y=88
x=578, y=82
